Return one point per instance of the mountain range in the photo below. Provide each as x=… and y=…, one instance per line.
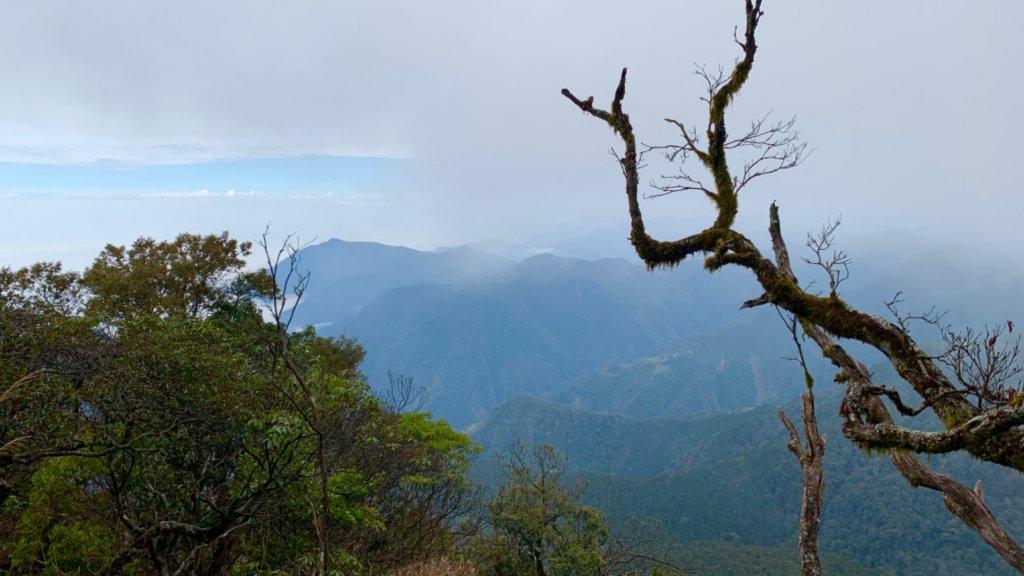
x=476, y=329
x=662, y=393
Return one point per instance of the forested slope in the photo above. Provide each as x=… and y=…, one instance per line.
x=729, y=477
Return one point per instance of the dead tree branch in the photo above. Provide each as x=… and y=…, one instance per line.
x=863, y=410
x=985, y=365
x=833, y=261
x=809, y=454
x=975, y=422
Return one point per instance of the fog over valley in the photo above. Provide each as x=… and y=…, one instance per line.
x=511, y=288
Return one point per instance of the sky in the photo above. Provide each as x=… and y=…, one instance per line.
x=438, y=123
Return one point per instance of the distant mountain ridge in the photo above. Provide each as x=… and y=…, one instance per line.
x=657, y=387
x=606, y=335
x=346, y=276
x=477, y=329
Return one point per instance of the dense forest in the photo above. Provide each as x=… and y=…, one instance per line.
x=154, y=422
x=160, y=416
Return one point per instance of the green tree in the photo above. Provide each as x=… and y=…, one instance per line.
x=184, y=277
x=162, y=430
x=43, y=339
x=539, y=526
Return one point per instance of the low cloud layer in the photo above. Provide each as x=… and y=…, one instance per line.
x=910, y=106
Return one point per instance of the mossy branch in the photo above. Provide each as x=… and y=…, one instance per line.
x=993, y=436
x=974, y=435
x=724, y=246
x=864, y=411
x=717, y=238
x=717, y=134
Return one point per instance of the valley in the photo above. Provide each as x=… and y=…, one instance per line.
x=661, y=394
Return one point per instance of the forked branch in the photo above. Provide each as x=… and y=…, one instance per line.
x=975, y=424
x=864, y=413
x=810, y=454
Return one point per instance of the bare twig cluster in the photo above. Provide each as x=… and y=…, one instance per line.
x=283, y=268
x=401, y=395
x=827, y=256
x=985, y=364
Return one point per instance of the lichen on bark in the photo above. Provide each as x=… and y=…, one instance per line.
x=992, y=435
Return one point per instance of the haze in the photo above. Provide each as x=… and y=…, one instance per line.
x=122, y=119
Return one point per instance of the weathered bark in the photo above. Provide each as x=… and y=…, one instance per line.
x=810, y=454
x=962, y=502
x=992, y=435
x=965, y=504
x=810, y=458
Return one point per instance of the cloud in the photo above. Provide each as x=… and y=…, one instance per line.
x=185, y=194
x=135, y=156
x=896, y=98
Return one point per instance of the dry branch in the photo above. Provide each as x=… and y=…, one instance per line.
x=810, y=454
x=988, y=428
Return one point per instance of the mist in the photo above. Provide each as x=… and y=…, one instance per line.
x=909, y=110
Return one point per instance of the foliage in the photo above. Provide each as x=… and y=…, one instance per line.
x=539, y=525
x=44, y=544
x=731, y=479
x=184, y=277
x=149, y=426
x=437, y=567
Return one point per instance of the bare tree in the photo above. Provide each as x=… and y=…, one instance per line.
x=283, y=268
x=976, y=421
x=401, y=395
x=810, y=454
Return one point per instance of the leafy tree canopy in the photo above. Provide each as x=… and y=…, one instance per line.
x=152, y=423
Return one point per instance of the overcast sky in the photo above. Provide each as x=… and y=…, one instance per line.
x=911, y=107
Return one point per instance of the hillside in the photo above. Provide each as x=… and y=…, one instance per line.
x=729, y=477
x=716, y=558
x=496, y=330
x=737, y=365
x=655, y=386
x=614, y=444
x=346, y=276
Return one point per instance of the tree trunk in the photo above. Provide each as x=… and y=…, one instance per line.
x=810, y=459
